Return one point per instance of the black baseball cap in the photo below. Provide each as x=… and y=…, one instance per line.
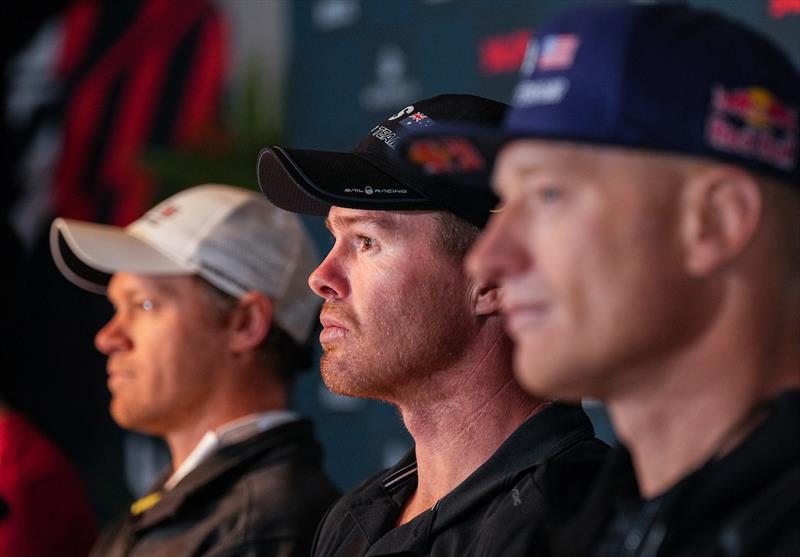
x=372, y=176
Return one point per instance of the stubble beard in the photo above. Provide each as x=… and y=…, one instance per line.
x=391, y=363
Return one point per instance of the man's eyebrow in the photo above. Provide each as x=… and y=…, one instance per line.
x=380, y=220
x=522, y=171
x=130, y=292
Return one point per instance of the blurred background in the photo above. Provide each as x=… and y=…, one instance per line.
x=110, y=106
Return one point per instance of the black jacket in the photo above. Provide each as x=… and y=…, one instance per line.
x=497, y=511
x=261, y=497
x=746, y=503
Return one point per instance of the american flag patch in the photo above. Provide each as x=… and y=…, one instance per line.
x=557, y=52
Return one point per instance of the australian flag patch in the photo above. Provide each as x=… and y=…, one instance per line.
x=417, y=120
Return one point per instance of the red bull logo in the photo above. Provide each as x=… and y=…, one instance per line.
x=446, y=156
x=754, y=123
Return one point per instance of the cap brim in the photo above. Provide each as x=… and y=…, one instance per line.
x=453, y=151
x=310, y=182
x=88, y=254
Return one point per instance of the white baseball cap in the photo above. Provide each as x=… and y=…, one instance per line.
x=233, y=238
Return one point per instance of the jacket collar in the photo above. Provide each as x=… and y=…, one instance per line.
x=290, y=438
x=707, y=494
x=539, y=438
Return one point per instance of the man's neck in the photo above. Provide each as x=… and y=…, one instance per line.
x=233, y=432
x=182, y=443
x=699, y=405
x=225, y=407
x=479, y=406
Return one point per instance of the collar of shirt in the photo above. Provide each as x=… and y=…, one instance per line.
x=615, y=514
x=376, y=508
x=228, y=434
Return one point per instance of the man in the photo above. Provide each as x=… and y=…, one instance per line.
x=403, y=324
x=211, y=322
x=647, y=249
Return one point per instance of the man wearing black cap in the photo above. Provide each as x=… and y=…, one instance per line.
x=403, y=324
x=648, y=249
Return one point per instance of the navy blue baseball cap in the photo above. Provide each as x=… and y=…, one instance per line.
x=372, y=175
x=662, y=77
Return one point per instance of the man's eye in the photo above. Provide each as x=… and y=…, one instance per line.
x=549, y=194
x=365, y=243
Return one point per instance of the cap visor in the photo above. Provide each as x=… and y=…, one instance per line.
x=88, y=254
x=453, y=151
x=305, y=181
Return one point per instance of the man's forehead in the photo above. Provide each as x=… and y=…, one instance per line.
x=126, y=284
x=541, y=154
x=544, y=154
x=604, y=164
x=522, y=159
x=342, y=217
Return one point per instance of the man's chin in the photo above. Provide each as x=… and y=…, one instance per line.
x=340, y=385
x=535, y=376
x=126, y=419
x=348, y=381
x=550, y=379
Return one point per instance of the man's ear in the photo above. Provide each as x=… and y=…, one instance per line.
x=486, y=300
x=721, y=209
x=251, y=321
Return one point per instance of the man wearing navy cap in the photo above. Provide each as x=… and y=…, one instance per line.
x=403, y=324
x=648, y=249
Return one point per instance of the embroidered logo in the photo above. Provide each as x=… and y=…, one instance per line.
x=557, y=52
x=446, y=156
x=417, y=120
x=754, y=123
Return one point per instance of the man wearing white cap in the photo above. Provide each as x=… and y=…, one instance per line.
x=212, y=317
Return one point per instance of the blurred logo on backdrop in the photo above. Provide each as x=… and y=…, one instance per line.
x=329, y=15
x=390, y=87
x=503, y=54
x=779, y=9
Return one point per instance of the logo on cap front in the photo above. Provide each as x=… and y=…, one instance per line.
x=384, y=134
x=550, y=53
x=417, y=120
x=377, y=190
x=446, y=156
x=753, y=122
x=160, y=213
x=536, y=92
